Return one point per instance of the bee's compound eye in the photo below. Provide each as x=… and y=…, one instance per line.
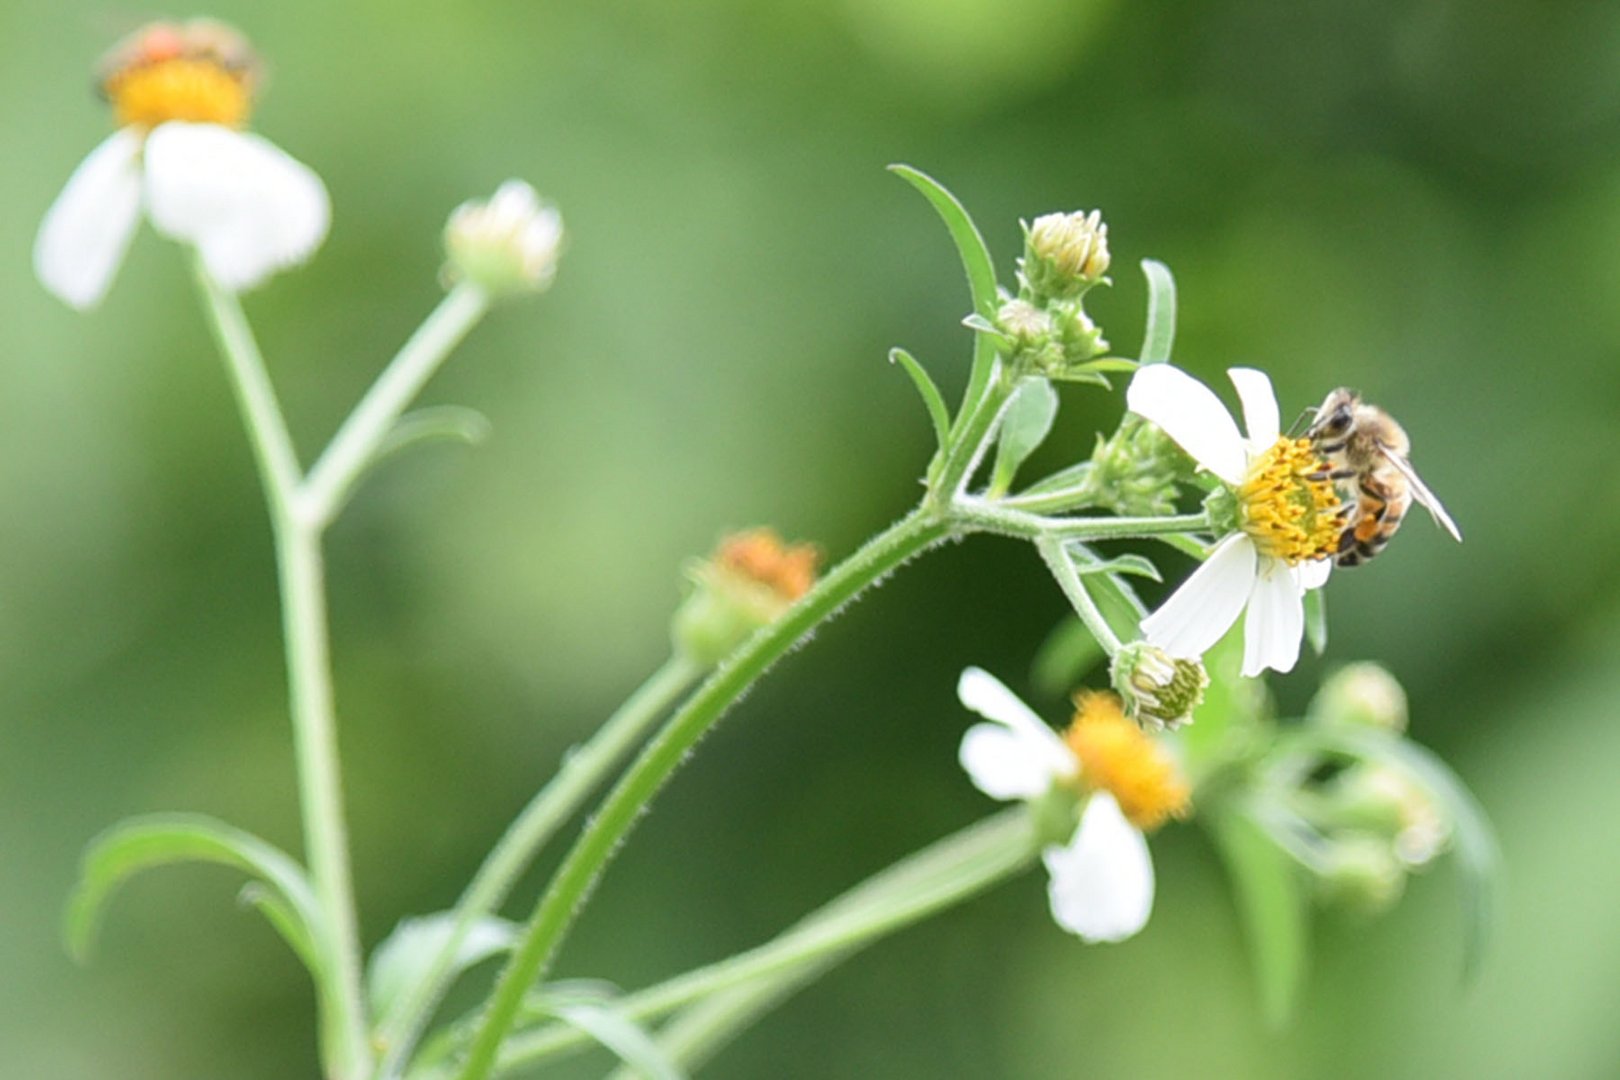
x=1339, y=422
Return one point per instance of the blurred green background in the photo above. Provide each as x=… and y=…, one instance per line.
x=1421, y=199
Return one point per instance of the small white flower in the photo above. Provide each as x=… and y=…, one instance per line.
x=1101, y=881
x=1289, y=523
x=506, y=244
x=180, y=92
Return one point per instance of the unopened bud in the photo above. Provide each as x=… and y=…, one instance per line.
x=1361, y=695
x=1064, y=254
x=1361, y=873
x=506, y=245
x=1160, y=691
x=750, y=580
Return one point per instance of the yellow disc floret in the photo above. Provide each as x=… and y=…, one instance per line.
x=1116, y=756
x=1289, y=506
x=202, y=72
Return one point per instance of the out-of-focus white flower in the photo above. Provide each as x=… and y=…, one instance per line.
x=1289, y=521
x=1101, y=881
x=181, y=94
x=506, y=244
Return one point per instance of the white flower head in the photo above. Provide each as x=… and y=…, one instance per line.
x=1101, y=880
x=506, y=244
x=181, y=94
x=1289, y=518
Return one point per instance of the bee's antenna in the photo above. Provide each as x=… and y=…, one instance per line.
x=1294, y=429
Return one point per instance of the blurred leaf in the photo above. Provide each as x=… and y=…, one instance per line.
x=937, y=411
x=981, y=271
x=1227, y=726
x=436, y=422
x=1064, y=479
x=142, y=843
x=1316, y=630
x=1025, y=425
x=1109, y=363
x=404, y=957
x=627, y=1039
x=1064, y=658
x=1082, y=377
x=1478, y=856
x=1271, y=904
x=1160, y=333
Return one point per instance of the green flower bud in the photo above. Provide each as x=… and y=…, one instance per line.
x=1360, y=872
x=752, y=578
x=1160, y=691
x=1064, y=255
x=1360, y=695
x=507, y=245
x=1137, y=470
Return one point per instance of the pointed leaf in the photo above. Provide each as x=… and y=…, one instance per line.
x=436, y=422
x=142, y=843
x=1160, y=333
x=1316, y=630
x=616, y=1032
x=407, y=954
x=1137, y=565
x=937, y=411
x=1024, y=426
x=1271, y=904
x=1109, y=363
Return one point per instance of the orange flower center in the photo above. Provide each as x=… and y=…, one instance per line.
x=199, y=71
x=1117, y=757
x=760, y=556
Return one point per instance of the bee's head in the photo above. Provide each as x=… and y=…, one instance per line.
x=1335, y=415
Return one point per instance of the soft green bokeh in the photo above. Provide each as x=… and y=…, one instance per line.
x=1419, y=199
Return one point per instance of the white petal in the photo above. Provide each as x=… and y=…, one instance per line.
x=1042, y=755
x=1275, y=622
x=1206, y=605
x=1102, y=882
x=87, y=230
x=248, y=207
x=1191, y=414
x=1260, y=414
x=1313, y=574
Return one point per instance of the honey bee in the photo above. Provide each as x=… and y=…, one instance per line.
x=1363, y=443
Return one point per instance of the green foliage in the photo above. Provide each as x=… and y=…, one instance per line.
x=1267, y=887
x=1024, y=426
x=405, y=956
x=1160, y=335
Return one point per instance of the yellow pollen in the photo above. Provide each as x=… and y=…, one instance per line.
x=1117, y=757
x=1291, y=515
x=182, y=88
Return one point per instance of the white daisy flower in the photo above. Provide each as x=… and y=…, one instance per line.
x=1101, y=880
x=1289, y=520
x=181, y=93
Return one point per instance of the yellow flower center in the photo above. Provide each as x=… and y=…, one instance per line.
x=183, y=88
x=1289, y=506
x=1117, y=757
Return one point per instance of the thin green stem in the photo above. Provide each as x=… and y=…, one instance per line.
x=646, y=775
x=972, y=436
x=581, y=772
x=303, y=596
x=355, y=444
x=1080, y=598
x=996, y=517
x=925, y=883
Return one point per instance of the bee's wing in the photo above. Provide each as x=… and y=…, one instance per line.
x=1421, y=492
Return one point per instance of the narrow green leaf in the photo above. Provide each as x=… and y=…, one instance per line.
x=1478, y=856
x=937, y=412
x=1271, y=904
x=1113, y=596
x=142, y=843
x=1024, y=426
x=1064, y=658
x=1081, y=377
x=1316, y=630
x=433, y=423
x=1138, y=565
x=1109, y=363
x=286, y=921
x=627, y=1039
x=1066, y=479
x=981, y=272
x=1160, y=333
x=405, y=955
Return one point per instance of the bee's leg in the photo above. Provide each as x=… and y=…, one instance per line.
x=1332, y=474
x=1324, y=449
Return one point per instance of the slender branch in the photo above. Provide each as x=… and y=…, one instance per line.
x=1068, y=579
x=623, y=805
x=995, y=517
x=581, y=772
x=925, y=883
x=353, y=447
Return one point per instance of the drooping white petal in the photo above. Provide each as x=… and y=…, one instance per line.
x=249, y=208
x=1206, y=605
x=87, y=230
x=1260, y=414
x=1275, y=622
x=1102, y=882
x=1191, y=414
x=1313, y=574
x=1017, y=756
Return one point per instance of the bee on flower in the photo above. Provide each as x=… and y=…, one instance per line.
x=1120, y=782
x=181, y=94
x=1288, y=524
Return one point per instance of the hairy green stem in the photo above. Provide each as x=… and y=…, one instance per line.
x=947, y=872
x=581, y=772
x=1068, y=579
x=303, y=598
x=646, y=775
x=996, y=517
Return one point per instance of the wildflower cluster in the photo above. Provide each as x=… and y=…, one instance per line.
x=1181, y=732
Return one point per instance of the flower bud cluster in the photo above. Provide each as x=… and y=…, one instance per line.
x=1136, y=470
x=1046, y=327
